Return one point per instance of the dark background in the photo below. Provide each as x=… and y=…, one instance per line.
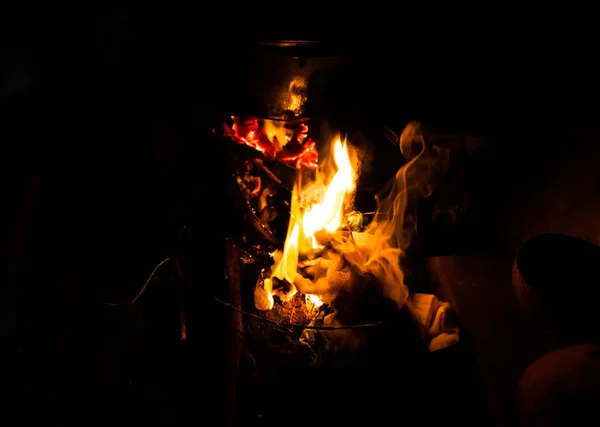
x=109, y=117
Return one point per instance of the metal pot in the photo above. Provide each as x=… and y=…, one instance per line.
x=283, y=79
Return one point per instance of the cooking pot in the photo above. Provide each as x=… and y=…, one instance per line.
x=284, y=79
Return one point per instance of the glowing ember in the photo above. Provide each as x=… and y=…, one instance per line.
x=287, y=142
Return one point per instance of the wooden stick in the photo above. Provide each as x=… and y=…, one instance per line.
x=236, y=326
x=261, y=165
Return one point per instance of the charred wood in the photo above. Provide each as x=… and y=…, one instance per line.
x=265, y=170
x=250, y=215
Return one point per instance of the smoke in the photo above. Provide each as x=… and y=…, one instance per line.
x=379, y=250
x=358, y=273
x=354, y=264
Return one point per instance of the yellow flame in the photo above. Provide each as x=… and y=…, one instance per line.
x=317, y=208
x=277, y=133
x=328, y=213
x=328, y=262
x=313, y=301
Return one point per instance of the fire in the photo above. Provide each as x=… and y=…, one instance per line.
x=327, y=213
x=316, y=210
x=287, y=142
x=313, y=301
x=322, y=257
x=331, y=258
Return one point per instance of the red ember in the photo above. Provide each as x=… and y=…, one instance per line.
x=298, y=151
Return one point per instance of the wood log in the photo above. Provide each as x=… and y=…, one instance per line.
x=235, y=325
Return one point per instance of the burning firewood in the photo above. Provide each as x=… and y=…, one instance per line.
x=264, y=197
x=268, y=145
x=286, y=142
x=345, y=266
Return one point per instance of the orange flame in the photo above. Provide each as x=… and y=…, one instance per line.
x=315, y=209
x=315, y=230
